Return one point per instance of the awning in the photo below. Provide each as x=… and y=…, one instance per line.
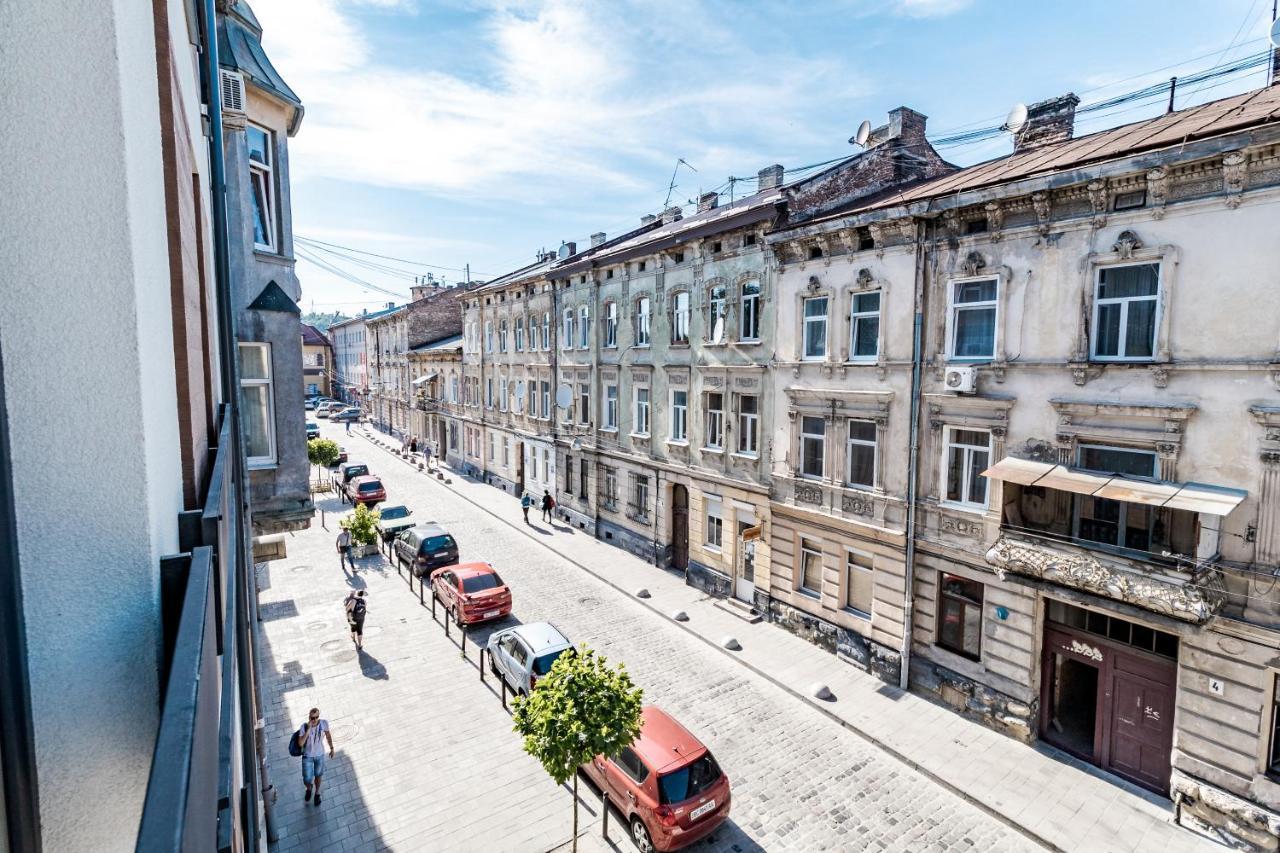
x=1193, y=497
x=425, y=378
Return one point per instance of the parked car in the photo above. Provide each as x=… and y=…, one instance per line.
x=394, y=520
x=471, y=593
x=525, y=653
x=667, y=784
x=322, y=410
x=346, y=473
x=310, y=405
x=365, y=489
x=342, y=455
x=313, y=430
x=424, y=547
x=350, y=413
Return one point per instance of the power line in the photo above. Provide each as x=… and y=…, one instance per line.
x=312, y=240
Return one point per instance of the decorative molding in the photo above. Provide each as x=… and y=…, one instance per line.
x=974, y=263
x=807, y=494
x=865, y=278
x=1235, y=173
x=1097, y=190
x=1185, y=601
x=1160, y=374
x=951, y=219
x=857, y=505
x=1126, y=244
x=815, y=284
x=1040, y=203
x=995, y=219
x=1158, y=190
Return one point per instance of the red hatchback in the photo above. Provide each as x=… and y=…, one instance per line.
x=366, y=490
x=667, y=784
x=471, y=593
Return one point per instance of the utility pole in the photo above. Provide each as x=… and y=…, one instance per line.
x=467, y=270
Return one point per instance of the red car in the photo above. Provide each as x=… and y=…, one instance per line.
x=667, y=785
x=366, y=490
x=471, y=593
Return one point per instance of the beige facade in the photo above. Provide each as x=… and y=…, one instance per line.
x=437, y=394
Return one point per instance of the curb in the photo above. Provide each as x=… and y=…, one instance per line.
x=808, y=702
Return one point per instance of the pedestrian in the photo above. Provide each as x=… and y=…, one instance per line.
x=356, y=608
x=311, y=739
x=548, y=504
x=426, y=455
x=526, y=501
x=348, y=424
x=344, y=550
x=413, y=445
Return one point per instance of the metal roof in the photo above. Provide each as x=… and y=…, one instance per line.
x=453, y=343
x=240, y=49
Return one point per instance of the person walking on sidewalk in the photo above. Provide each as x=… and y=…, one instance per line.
x=426, y=455
x=348, y=424
x=356, y=607
x=311, y=739
x=526, y=503
x=344, y=550
x=413, y=445
x=548, y=504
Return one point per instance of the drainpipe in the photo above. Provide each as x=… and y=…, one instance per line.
x=913, y=458
x=229, y=372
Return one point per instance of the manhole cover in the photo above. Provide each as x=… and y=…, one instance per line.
x=318, y=626
x=344, y=657
x=302, y=568
x=589, y=601
x=344, y=732
x=333, y=645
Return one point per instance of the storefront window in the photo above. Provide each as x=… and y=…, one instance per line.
x=960, y=615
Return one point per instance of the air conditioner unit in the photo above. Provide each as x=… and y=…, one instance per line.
x=232, y=91
x=962, y=380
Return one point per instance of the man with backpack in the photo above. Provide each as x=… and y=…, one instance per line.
x=548, y=504
x=526, y=503
x=356, y=607
x=309, y=743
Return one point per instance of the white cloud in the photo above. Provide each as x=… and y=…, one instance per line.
x=931, y=8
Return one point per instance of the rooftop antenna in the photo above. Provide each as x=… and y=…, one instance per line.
x=863, y=135
x=672, y=188
x=1016, y=120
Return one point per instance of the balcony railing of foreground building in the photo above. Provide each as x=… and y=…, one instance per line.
x=1148, y=543
x=204, y=785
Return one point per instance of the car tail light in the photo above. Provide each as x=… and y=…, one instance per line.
x=666, y=815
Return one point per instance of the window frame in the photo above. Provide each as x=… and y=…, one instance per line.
x=611, y=324
x=519, y=334
x=855, y=316
x=584, y=403
x=1122, y=517
x=821, y=439
x=850, y=442
x=713, y=422
x=636, y=411
x=566, y=329
x=611, y=407
x=584, y=327
x=1095, y=314
x=745, y=420
x=272, y=458
x=717, y=308
x=644, y=321
x=849, y=568
x=954, y=308
x=265, y=174
x=1272, y=760
x=754, y=299
x=679, y=416
x=807, y=548
x=681, y=317
x=713, y=510
x=805, y=321
x=966, y=604
x=947, y=445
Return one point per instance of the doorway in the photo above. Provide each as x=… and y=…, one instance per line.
x=744, y=575
x=519, y=468
x=1108, y=693
x=679, y=527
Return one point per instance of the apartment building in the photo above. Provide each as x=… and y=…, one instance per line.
x=437, y=382
x=317, y=362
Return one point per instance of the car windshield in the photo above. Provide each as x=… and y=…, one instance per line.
x=370, y=487
x=393, y=512
x=312, y=425
x=542, y=665
x=437, y=543
x=479, y=583
x=689, y=781
x=356, y=471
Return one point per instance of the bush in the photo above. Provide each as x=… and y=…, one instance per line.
x=363, y=525
x=322, y=452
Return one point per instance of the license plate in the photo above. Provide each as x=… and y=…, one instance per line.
x=708, y=806
x=491, y=614
x=441, y=554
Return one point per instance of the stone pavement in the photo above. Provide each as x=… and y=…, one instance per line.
x=1051, y=799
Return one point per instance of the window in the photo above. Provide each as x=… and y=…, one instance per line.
x=582, y=481
x=640, y=266
x=611, y=407
x=960, y=615
x=566, y=333
x=973, y=318
x=1273, y=759
x=506, y=451
x=717, y=314
x=584, y=330
x=502, y=394
x=1119, y=523
x=639, y=496
x=864, y=323
x=859, y=570
x=519, y=334
x=715, y=525
x=750, y=330
x=749, y=240
x=810, y=567
x=568, y=475
x=262, y=187
x=968, y=454
x=813, y=434
x=1124, y=312
x=453, y=389
x=815, y=328
x=546, y=399
x=584, y=402
x=488, y=336
x=502, y=336
x=642, y=321
x=680, y=318
x=610, y=496
x=493, y=444
x=640, y=415
x=488, y=393
x=611, y=324
x=257, y=404
x=531, y=397
x=748, y=424
x=546, y=330
x=679, y=415
x=1129, y=200
x=715, y=421
x=862, y=454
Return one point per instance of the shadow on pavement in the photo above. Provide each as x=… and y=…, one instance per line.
x=371, y=667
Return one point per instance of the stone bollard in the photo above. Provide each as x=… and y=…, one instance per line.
x=642, y=593
x=818, y=690
x=680, y=616
x=731, y=643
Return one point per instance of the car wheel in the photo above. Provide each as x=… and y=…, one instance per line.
x=640, y=835
x=493, y=666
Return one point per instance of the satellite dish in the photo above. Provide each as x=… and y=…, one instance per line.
x=1017, y=118
x=717, y=331
x=520, y=391
x=564, y=252
x=864, y=133
x=1275, y=33
x=564, y=396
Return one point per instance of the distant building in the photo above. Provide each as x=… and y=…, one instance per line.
x=317, y=362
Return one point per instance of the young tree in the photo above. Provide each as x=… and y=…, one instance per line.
x=363, y=524
x=322, y=452
x=583, y=708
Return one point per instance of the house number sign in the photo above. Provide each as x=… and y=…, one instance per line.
x=1086, y=650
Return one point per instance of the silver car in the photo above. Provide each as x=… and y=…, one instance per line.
x=525, y=653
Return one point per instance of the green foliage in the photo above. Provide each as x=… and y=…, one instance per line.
x=322, y=451
x=363, y=524
x=583, y=708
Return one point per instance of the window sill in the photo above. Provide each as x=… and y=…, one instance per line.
x=610, y=430
x=853, y=611
x=1108, y=359
x=264, y=465
x=711, y=549
x=676, y=442
x=719, y=451
x=870, y=361
x=752, y=457
x=813, y=359
x=963, y=655
x=970, y=509
x=808, y=593
x=640, y=435
x=970, y=360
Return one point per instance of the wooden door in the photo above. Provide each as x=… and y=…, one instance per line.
x=1141, y=725
x=679, y=527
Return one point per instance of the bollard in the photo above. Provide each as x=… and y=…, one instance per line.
x=604, y=807
x=421, y=600
x=504, y=694
x=447, y=620
x=433, y=605
x=463, y=629
x=482, y=650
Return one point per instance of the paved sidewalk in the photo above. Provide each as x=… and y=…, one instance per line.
x=1058, y=802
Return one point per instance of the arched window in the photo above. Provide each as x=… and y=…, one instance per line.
x=642, y=321
x=717, y=313
x=680, y=317
x=750, y=315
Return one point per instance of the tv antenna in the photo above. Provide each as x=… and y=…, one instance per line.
x=863, y=135
x=672, y=188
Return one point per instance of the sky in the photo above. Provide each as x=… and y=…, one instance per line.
x=461, y=132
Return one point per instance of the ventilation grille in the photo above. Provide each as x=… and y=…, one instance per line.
x=232, y=91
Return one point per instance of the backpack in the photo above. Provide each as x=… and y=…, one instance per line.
x=358, y=608
x=294, y=749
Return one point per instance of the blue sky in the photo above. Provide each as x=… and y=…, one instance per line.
x=453, y=132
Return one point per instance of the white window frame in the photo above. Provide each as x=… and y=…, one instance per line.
x=566, y=330
x=803, y=551
x=805, y=321
x=644, y=313
x=748, y=427
x=954, y=309
x=717, y=309
x=849, y=568
x=502, y=394
x=713, y=438
x=611, y=407
x=1124, y=302
x=1122, y=522
x=502, y=336
x=584, y=327
x=488, y=336
x=680, y=317
x=640, y=412
x=546, y=399
x=749, y=321
x=850, y=443
x=821, y=438
x=713, y=524
x=546, y=331
x=264, y=174
x=855, y=316
x=679, y=416
x=269, y=384
x=966, y=480
x=611, y=324
x=519, y=334
x=584, y=402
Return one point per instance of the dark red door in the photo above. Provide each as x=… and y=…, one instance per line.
x=1141, y=725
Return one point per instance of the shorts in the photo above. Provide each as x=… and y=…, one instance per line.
x=357, y=626
x=312, y=768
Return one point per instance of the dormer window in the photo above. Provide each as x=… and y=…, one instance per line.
x=976, y=226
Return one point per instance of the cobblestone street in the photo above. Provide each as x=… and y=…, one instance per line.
x=426, y=759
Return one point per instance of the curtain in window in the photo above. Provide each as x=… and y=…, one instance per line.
x=255, y=408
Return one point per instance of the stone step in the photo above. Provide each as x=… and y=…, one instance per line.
x=740, y=609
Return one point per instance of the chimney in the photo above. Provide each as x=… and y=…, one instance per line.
x=647, y=219
x=597, y=239
x=391, y=305
x=708, y=201
x=769, y=178
x=1048, y=122
x=672, y=214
